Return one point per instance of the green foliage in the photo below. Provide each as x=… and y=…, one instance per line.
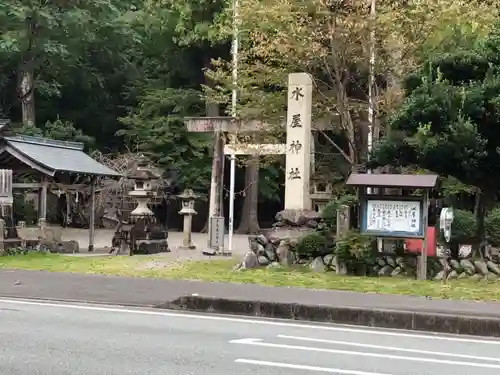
x=59, y=129
x=312, y=245
x=451, y=186
x=492, y=224
x=51, y=38
x=177, y=44
x=463, y=227
x=156, y=128
x=13, y=251
x=270, y=176
x=329, y=213
x=65, y=131
x=448, y=123
x=109, y=71
x=356, y=248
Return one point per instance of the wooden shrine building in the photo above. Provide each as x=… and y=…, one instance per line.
x=49, y=163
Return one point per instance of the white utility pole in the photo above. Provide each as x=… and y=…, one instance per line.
x=371, y=80
x=232, y=171
x=371, y=94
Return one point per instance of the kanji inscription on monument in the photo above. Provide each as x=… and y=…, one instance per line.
x=294, y=174
x=295, y=147
x=297, y=93
x=298, y=141
x=296, y=122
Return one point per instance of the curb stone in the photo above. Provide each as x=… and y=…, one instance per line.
x=416, y=321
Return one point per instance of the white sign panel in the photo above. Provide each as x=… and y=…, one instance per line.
x=393, y=216
x=216, y=239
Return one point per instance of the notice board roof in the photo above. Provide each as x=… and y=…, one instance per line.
x=417, y=181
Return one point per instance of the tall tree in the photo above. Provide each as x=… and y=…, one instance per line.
x=156, y=128
x=330, y=40
x=180, y=47
x=40, y=36
x=448, y=123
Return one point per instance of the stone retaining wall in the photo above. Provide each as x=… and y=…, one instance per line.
x=277, y=248
x=438, y=268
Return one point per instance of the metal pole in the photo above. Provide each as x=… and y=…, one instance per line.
x=234, y=98
x=371, y=78
x=371, y=95
x=425, y=242
x=92, y=214
x=371, y=81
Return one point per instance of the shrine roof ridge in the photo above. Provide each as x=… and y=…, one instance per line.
x=46, y=142
x=423, y=181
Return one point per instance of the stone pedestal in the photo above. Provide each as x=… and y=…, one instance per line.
x=187, y=240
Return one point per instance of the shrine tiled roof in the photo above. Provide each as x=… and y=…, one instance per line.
x=50, y=156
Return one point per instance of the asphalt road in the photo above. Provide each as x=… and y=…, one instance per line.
x=54, y=339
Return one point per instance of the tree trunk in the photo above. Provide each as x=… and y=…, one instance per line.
x=249, y=215
x=27, y=96
x=485, y=199
x=477, y=201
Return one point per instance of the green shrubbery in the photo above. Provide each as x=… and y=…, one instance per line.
x=313, y=245
x=329, y=213
x=356, y=251
x=492, y=224
x=353, y=250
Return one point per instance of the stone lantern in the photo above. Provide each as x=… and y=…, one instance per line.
x=146, y=236
x=187, y=198
x=143, y=191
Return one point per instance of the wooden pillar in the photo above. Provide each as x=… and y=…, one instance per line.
x=92, y=214
x=43, y=199
x=423, y=254
x=2, y=236
x=343, y=223
x=68, y=208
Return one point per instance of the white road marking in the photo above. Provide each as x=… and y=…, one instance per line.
x=305, y=367
x=258, y=342
x=263, y=321
x=395, y=348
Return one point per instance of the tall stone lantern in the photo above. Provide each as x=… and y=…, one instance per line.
x=146, y=235
x=188, y=198
x=143, y=191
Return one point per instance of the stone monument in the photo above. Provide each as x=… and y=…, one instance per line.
x=298, y=140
